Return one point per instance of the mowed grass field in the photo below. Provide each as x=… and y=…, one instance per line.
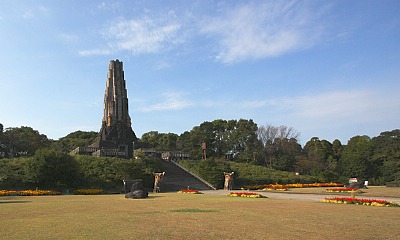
x=187, y=216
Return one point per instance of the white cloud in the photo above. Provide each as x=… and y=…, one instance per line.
x=102, y=5
x=350, y=106
x=247, y=31
x=140, y=36
x=329, y=115
x=35, y=12
x=172, y=101
x=255, y=31
x=28, y=14
x=92, y=52
x=65, y=37
x=254, y=104
x=334, y=105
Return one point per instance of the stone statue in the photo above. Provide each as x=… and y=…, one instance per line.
x=157, y=181
x=136, y=190
x=228, y=185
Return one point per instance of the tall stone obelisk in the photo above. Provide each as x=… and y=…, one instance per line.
x=116, y=134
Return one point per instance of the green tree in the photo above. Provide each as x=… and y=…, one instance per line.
x=285, y=152
x=245, y=141
x=12, y=173
x=150, y=140
x=237, y=138
x=3, y=147
x=198, y=135
x=25, y=141
x=183, y=142
x=50, y=168
x=356, y=158
x=168, y=141
x=337, y=149
x=74, y=140
x=386, y=157
x=278, y=146
x=320, y=153
x=159, y=141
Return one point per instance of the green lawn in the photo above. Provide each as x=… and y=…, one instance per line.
x=187, y=216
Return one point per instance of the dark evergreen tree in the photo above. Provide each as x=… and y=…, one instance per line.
x=24, y=141
x=356, y=158
x=386, y=157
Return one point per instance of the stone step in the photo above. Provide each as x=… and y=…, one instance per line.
x=176, y=178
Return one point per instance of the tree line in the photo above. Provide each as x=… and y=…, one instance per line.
x=375, y=159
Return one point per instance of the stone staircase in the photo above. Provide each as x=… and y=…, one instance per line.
x=176, y=177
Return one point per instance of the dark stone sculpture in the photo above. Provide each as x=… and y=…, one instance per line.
x=136, y=190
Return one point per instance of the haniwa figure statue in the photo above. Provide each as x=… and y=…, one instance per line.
x=157, y=181
x=228, y=185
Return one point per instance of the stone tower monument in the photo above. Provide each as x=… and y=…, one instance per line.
x=116, y=136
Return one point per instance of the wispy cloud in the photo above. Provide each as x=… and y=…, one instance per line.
x=255, y=31
x=332, y=105
x=255, y=104
x=140, y=36
x=28, y=14
x=246, y=31
x=352, y=106
x=349, y=106
x=96, y=51
x=171, y=101
x=65, y=37
x=35, y=12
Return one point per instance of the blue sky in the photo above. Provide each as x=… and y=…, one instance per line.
x=329, y=69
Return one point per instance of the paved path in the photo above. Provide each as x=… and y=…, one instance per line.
x=298, y=196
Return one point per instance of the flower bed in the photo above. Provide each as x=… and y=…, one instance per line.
x=285, y=187
x=8, y=193
x=361, y=201
x=38, y=192
x=341, y=190
x=306, y=185
x=278, y=187
x=192, y=191
x=88, y=191
x=28, y=192
x=254, y=187
x=245, y=194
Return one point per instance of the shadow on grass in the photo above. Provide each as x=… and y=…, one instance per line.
x=184, y=210
x=153, y=196
x=193, y=210
x=149, y=197
x=13, y=201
